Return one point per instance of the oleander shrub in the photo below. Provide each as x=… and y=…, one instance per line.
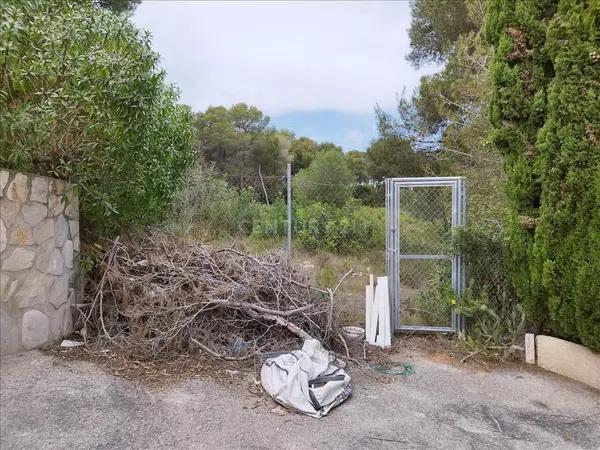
x=82, y=98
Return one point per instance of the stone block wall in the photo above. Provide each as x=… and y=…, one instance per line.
x=39, y=260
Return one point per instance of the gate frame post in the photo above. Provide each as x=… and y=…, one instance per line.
x=392, y=214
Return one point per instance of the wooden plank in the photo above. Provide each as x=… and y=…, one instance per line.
x=370, y=317
x=382, y=300
x=386, y=327
x=377, y=305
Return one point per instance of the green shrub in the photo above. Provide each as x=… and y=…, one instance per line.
x=485, y=252
x=520, y=74
x=339, y=230
x=486, y=327
x=328, y=180
x=566, y=252
x=370, y=195
x=434, y=302
x=376, y=217
x=82, y=98
x=271, y=220
x=207, y=203
x=421, y=236
x=350, y=229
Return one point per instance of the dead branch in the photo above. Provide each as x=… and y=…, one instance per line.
x=158, y=294
x=218, y=355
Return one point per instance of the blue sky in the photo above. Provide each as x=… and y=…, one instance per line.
x=317, y=68
x=351, y=131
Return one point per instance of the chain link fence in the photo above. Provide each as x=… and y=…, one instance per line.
x=427, y=293
x=425, y=261
x=493, y=311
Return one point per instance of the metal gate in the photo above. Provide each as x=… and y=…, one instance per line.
x=422, y=214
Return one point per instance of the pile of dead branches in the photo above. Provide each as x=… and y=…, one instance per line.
x=158, y=294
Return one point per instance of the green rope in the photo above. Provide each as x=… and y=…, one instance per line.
x=404, y=370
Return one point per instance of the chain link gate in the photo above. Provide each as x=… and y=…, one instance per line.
x=422, y=215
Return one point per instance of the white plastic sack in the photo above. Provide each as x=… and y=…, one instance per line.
x=305, y=381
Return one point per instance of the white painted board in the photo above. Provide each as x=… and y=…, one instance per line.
x=377, y=316
x=369, y=327
x=384, y=311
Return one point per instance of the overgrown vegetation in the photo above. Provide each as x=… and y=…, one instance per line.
x=82, y=98
x=207, y=205
x=328, y=179
x=514, y=109
x=492, y=309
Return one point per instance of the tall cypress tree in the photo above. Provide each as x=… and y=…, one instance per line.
x=546, y=116
x=567, y=240
x=521, y=71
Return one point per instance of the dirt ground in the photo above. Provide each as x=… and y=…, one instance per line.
x=53, y=401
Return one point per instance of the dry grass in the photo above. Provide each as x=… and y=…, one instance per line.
x=159, y=372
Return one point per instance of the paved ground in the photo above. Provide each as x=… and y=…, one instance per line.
x=48, y=403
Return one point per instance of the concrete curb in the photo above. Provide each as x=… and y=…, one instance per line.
x=564, y=358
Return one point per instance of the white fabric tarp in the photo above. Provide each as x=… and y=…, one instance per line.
x=305, y=380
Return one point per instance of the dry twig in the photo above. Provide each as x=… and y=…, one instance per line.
x=158, y=294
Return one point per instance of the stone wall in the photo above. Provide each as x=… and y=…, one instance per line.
x=39, y=260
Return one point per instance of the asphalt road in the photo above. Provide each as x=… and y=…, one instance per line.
x=49, y=403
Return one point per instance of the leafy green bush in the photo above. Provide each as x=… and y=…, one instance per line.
x=494, y=313
x=317, y=225
x=370, y=195
x=339, y=230
x=271, y=220
x=520, y=74
x=82, y=98
x=208, y=204
x=566, y=253
x=328, y=180
x=485, y=254
x=486, y=327
x=376, y=218
x=433, y=306
x=423, y=236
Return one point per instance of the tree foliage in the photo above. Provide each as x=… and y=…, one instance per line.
x=357, y=162
x=394, y=157
x=546, y=124
x=566, y=252
x=520, y=73
x=435, y=27
x=302, y=152
x=323, y=226
x=447, y=115
x=240, y=143
x=208, y=205
x=328, y=180
x=119, y=6
x=83, y=98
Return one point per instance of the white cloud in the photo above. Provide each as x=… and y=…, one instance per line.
x=283, y=56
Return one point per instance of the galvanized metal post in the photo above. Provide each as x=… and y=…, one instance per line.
x=289, y=213
x=396, y=256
